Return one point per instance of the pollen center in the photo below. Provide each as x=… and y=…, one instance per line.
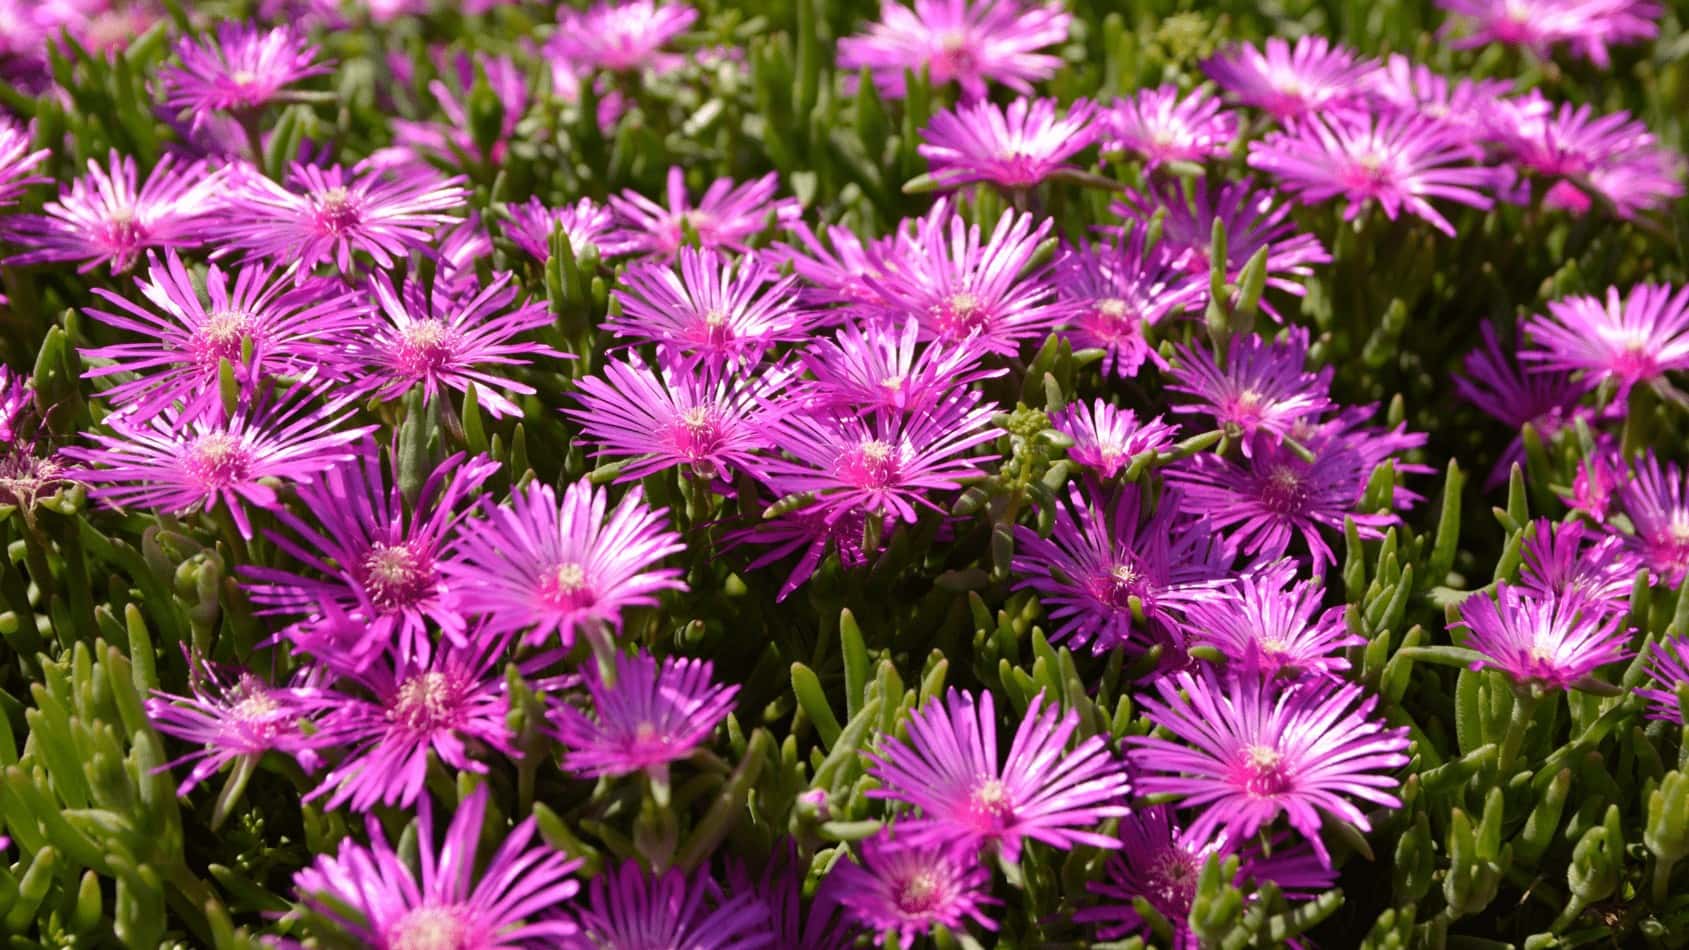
x=218, y=460
x=876, y=464
x=1284, y=490
x=395, y=575
x=430, y=928
x=991, y=801
x=337, y=211
x=960, y=315
x=220, y=336
x=566, y=587
x=920, y=893
x=427, y=346
x=423, y=702
x=1264, y=772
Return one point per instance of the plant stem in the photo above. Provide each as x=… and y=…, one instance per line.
x=1524, y=706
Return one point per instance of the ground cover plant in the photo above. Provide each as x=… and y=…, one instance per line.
x=798, y=473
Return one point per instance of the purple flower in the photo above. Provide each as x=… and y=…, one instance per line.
x=1550, y=641
x=441, y=343
x=968, y=42
x=626, y=909
x=727, y=216
x=878, y=366
x=1558, y=564
x=449, y=141
x=907, y=888
x=1517, y=395
x=1099, y=560
x=1115, y=293
x=646, y=718
x=1658, y=508
x=780, y=890
x=1612, y=156
x=1272, y=623
x=958, y=285
x=17, y=161
x=814, y=529
x=1668, y=667
x=1630, y=340
x=178, y=463
x=532, y=223
x=1405, y=86
x=709, y=421
x=331, y=214
x=105, y=219
x=234, y=716
x=1588, y=26
x=288, y=329
x=709, y=309
x=375, y=898
x=1251, y=750
x=883, y=463
x=1262, y=387
x=243, y=69
x=1159, y=126
x=949, y=769
x=1291, y=82
x=620, y=37
x=1106, y=439
x=372, y=555
x=548, y=568
x=1398, y=160
x=1015, y=148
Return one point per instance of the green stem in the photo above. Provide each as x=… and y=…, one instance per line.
x=1662, y=880
x=1524, y=706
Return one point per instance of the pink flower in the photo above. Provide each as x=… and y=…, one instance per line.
x=1160, y=126
x=17, y=161
x=244, y=68
x=1106, y=439
x=1554, y=641
x=1654, y=500
x=904, y=888
x=532, y=224
x=627, y=908
x=882, y=366
x=1115, y=294
x=1291, y=82
x=1016, y=148
x=1631, y=340
x=1588, y=26
x=1261, y=388
x=1272, y=623
x=644, y=719
x=969, y=42
x=620, y=37
x=1611, y=157
x=727, y=216
x=708, y=309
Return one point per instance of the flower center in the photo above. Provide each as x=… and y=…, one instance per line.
x=565, y=587
x=1172, y=878
x=954, y=56
x=427, y=346
x=337, y=211
x=1264, y=772
x=424, y=702
x=218, y=460
x=1123, y=582
x=921, y=893
x=991, y=803
x=430, y=928
x=875, y=464
x=1284, y=490
x=396, y=576
x=123, y=231
x=963, y=313
x=220, y=336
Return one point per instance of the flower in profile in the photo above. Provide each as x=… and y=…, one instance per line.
x=948, y=768
x=17, y=161
x=532, y=224
x=234, y=716
x=266, y=327
x=620, y=37
x=1277, y=494
x=1402, y=85
x=814, y=530
x=906, y=888
x=1558, y=564
x=242, y=69
x=1103, y=563
x=728, y=215
x=1668, y=667
x=374, y=897
x=959, y=285
x=1545, y=399
x=710, y=421
x=1551, y=641
x=391, y=714
x=1250, y=750
x=1160, y=125
x=1015, y=148
x=628, y=909
x=883, y=463
x=1115, y=293
x=178, y=463
x=647, y=717
x=1654, y=500
x=1291, y=82
x=879, y=365
x=710, y=309
x=1587, y=154
x=1627, y=340
x=440, y=342
x=330, y=214
x=1105, y=439
x=1588, y=26
x=550, y=568
x=105, y=218
x=372, y=554
x=1397, y=160
x=1262, y=388
x=1273, y=623
x=968, y=42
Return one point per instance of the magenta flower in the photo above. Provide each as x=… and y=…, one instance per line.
x=1398, y=161
x=837, y=268
x=780, y=889
x=1550, y=641
x=1250, y=750
x=550, y=568
x=447, y=141
x=620, y=36
x=896, y=886
x=1597, y=480
x=178, y=463
x=1261, y=388
x=1612, y=157
x=728, y=215
x=959, y=286
x=1558, y=564
x=1159, y=126
x=17, y=161
x=1516, y=395
x=1015, y=148
x=648, y=717
x=709, y=421
x=243, y=69
x=236, y=717
x=532, y=223
x=814, y=530
x=375, y=898
x=1402, y=85
x=445, y=343
x=626, y=909
x=331, y=214
x=1106, y=439
x=1272, y=623
x=1116, y=293
x=1291, y=82
x=968, y=42
x=104, y=218
x=1588, y=26
x=882, y=463
x=878, y=366
x=1654, y=500
x=373, y=555
x=289, y=331
x=709, y=309
x=1101, y=559
x=948, y=768
x=1668, y=667
x=1633, y=340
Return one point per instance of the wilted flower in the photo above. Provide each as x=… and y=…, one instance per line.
x=1159, y=126
x=1261, y=388
x=1628, y=340
x=646, y=718
x=968, y=42
x=243, y=68
x=727, y=216
x=1290, y=82
x=620, y=36
x=895, y=886
x=1553, y=641
x=1105, y=439
x=709, y=309
x=1015, y=148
